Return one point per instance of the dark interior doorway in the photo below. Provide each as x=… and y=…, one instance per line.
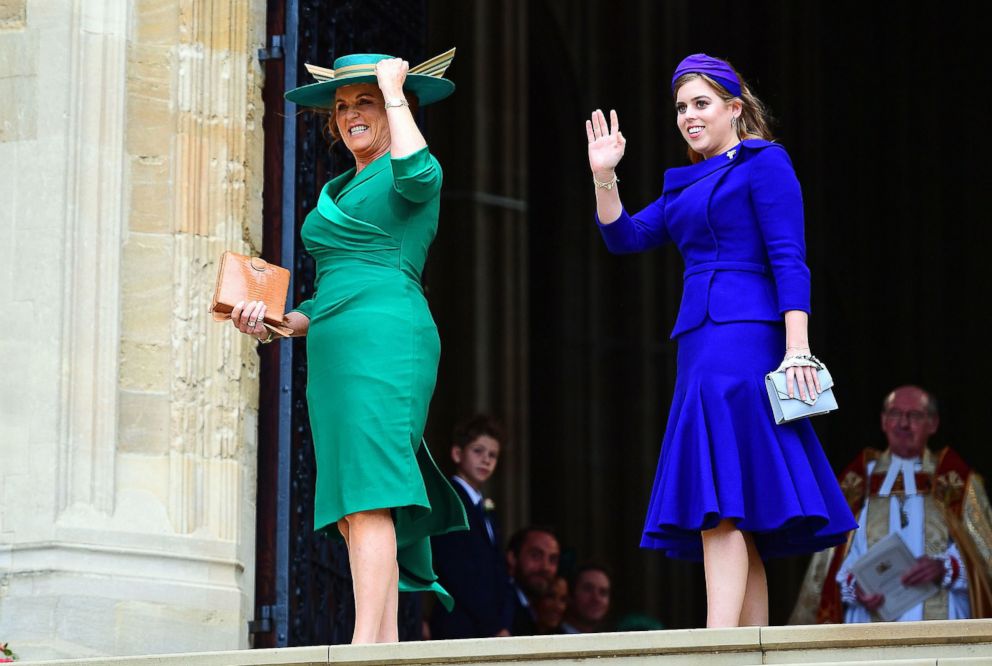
x=882, y=113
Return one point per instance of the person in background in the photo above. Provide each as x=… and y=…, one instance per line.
x=549, y=608
x=470, y=564
x=589, y=600
x=532, y=560
x=932, y=499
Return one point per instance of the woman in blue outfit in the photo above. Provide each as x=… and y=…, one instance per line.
x=732, y=487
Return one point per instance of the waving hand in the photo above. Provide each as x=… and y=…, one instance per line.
x=606, y=144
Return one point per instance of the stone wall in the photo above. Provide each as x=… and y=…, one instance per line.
x=131, y=153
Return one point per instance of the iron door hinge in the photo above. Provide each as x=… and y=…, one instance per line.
x=263, y=624
x=274, y=50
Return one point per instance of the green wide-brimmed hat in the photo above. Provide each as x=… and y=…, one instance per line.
x=426, y=80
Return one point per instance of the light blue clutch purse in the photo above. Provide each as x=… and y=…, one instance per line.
x=791, y=409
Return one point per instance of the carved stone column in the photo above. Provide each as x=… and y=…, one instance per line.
x=129, y=527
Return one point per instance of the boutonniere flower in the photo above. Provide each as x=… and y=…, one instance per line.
x=488, y=505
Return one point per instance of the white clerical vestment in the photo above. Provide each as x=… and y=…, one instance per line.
x=907, y=516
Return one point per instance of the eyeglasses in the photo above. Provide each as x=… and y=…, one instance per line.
x=914, y=416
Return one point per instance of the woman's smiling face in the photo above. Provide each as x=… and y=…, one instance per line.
x=704, y=119
x=360, y=118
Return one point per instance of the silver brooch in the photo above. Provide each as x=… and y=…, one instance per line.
x=731, y=153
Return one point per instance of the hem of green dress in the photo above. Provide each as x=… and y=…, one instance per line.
x=408, y=581
x=410, y=585
x=331, y=526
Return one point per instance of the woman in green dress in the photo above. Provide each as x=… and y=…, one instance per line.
x=372, y=346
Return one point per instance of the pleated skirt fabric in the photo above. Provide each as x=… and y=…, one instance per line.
x=724, y=457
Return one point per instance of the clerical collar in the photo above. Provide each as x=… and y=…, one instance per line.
x=906, y=467
x=473, y=494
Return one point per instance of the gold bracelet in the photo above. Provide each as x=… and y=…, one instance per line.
x=609, y=185
x=268, y=339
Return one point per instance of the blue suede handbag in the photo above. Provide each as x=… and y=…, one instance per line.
x=788, y=409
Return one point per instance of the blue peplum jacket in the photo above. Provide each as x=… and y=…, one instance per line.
x=737, y=219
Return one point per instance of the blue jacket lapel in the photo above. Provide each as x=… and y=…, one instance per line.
x=681, y=177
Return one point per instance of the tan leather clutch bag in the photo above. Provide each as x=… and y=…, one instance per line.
x=242, y=278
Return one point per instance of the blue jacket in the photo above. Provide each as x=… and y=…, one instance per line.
x=737, y=219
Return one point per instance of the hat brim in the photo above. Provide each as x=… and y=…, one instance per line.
x=428, y=89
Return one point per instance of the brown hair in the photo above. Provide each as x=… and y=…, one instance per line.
x=472, y=429
x=519, y=538
x=754, y=121
x=573, y=579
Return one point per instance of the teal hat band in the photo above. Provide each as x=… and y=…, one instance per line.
x=425, y=80
x=359, y=64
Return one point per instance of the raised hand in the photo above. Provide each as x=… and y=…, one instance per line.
x=390, y=75
x=606, y=144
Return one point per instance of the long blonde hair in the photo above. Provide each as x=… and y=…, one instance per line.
x=754, y=120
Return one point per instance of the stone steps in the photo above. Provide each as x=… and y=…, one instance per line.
x=959, y=643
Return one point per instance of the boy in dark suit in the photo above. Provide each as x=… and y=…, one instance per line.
x=470, y=564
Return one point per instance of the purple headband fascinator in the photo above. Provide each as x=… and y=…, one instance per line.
x=716, y=69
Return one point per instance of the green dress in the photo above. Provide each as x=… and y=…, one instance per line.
x=372, y=354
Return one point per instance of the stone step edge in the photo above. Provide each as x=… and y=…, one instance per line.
x=744, y=640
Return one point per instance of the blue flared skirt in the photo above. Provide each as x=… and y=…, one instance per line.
x=724, y=457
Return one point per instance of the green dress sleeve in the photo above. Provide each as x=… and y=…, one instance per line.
x=306, y=307
x=417, y=176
